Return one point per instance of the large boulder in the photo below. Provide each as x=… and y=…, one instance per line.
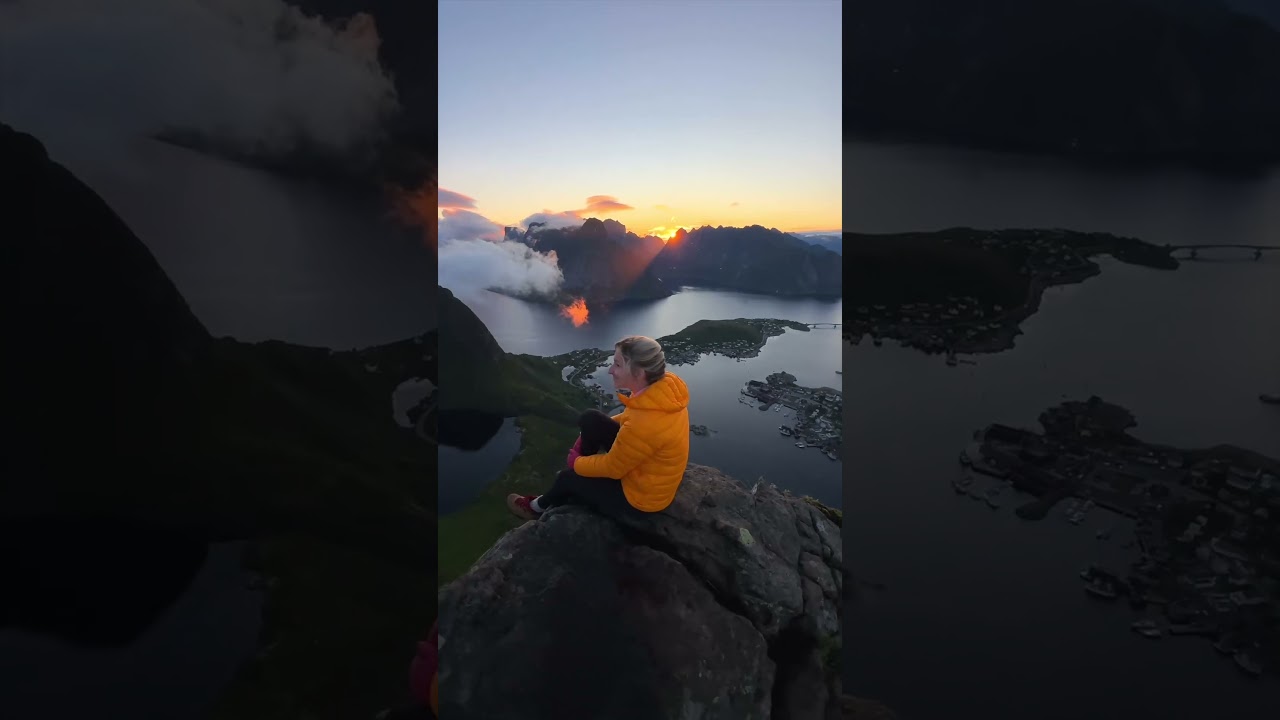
x=777, y=557
x=725, y=605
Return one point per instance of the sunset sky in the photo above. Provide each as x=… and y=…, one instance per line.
x=688, y=113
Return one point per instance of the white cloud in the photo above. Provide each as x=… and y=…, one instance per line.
x=467, y=225
x=470, y=265
x=255, y=75
x=554, y=220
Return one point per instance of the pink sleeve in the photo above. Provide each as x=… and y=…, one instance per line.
x=423, y=668
x=575, y=451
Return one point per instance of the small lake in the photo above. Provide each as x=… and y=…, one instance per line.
x=474, y=461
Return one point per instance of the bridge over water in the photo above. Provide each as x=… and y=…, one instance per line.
x=823, y=325
x=1195, y=249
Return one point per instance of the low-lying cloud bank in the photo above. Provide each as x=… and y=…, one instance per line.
x=255, y=76
x=474, y=253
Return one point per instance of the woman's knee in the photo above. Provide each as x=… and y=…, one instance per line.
x=566, y=480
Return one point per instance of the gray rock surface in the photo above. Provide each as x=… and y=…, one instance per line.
x=724, y=606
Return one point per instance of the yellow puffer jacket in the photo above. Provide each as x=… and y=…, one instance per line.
x=652, y=448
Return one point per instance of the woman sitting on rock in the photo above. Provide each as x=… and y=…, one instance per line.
x=631, y=463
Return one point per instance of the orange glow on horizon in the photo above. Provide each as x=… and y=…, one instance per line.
x=415, y=208
x=576, y=312
x=663, y=233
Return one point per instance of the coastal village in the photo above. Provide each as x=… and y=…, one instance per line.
x=579, y=368
x=818, y=411
x=958, y=325
x=964, y=324
x=1205, y=524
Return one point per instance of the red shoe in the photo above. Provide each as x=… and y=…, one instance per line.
x=519, y=506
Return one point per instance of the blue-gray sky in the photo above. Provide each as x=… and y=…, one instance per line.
x=689, y=113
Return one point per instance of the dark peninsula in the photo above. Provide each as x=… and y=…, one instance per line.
x=967, y=291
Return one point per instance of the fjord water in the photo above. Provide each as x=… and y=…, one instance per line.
x=260, y=257
x=981, y=613
x=534, y=329
x=160, y=625
x=744, y=441
x=257, y=257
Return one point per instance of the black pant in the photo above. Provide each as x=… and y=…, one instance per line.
x=601, y=494
x=598, y=431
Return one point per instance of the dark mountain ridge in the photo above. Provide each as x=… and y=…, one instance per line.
x=749, y=259
x=604, y=263
x=1132, y=81
x=487, y=380
x=833, y=242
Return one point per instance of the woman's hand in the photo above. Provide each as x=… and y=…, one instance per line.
x=575, y=452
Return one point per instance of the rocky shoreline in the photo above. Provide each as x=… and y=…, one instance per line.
x=1205, y=522
x=819, y=412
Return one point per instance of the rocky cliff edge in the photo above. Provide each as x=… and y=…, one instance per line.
x=725, y=605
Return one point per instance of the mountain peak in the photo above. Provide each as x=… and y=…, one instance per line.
x=83, y=295
x=750, y=259
x=593, y=229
